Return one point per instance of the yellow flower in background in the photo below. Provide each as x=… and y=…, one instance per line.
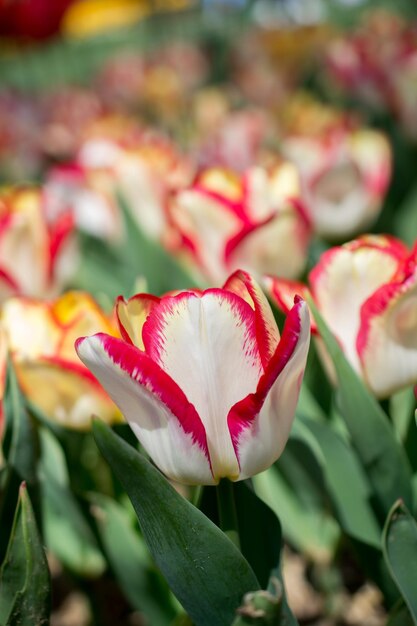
x=40, y=336
x=91, y=17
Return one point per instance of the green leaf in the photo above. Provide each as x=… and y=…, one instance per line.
x=305, y=521
x=100, y=261
x=261, y=541
x=204, y=569
x=345, y=480
x=67, y=532
x=400, y=552
x=148, y=258
x=406, y=221
x=21, y=451
x=129, y=559
x=402, y=406
x=24, y=581
x=259, y=532
x=382, y=457
x=400, y=616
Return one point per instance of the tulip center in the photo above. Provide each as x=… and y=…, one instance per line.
x=336, y=184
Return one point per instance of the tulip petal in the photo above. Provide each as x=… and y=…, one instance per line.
x=132, y=314
x=387, y=341
x=345, y=277
x=278, y=245
x=208, y=224
x=283, y=292
x=8, y=286
x=31, y=328
x=160, y=415
x=260, y=424
x=243, y=285
x=66, y=393
x=208, y=345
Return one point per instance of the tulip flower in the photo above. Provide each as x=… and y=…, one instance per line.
x=377, y=63
x=40, y=336
x=145, y=171
x=345, y=174
x=204, y=379
x=366, y=291
x=34, y=19
x=36, y=258
x=89, y=197
x=237, y=140
x=255, y=222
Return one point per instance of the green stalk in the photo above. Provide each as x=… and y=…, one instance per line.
x=227, y=511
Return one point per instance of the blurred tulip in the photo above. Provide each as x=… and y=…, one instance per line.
x=204, y=379
x=255, y=221
x=36, y=19
x=89, y=197
x=345, y=175
x=145, y=172
x=237, y=140
x=65, y=116
x=36, y=258
x=40, y=337
x=377, y=64
x=366, y=291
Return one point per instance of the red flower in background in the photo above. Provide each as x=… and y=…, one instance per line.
x=36, y=19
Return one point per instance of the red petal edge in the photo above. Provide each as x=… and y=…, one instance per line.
x=141, y=369
x=243, y=414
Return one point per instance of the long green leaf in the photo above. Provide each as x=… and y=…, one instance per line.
x=24, y=582
x=400, y=616
x=400, y=552
x=67, y=532
x=310, y=528
x=204, y=569
x=406, y=222
x=346, y=481
x=382, y=457
x=261, y=541
x=130, y=560
x=21, y=451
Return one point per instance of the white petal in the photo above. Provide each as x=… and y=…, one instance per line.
x=174, y=451
x=388, y=339
x=208, y=345
x=345, y=277
x=262, y=444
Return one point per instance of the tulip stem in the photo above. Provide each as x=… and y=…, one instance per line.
x=227, y=510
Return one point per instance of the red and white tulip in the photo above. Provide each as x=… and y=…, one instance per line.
x=204, y=379
x=366, y=291
x=254, y=221
x=144, y=171
x=88, y=195
x=36, y=257
x=345, y=175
